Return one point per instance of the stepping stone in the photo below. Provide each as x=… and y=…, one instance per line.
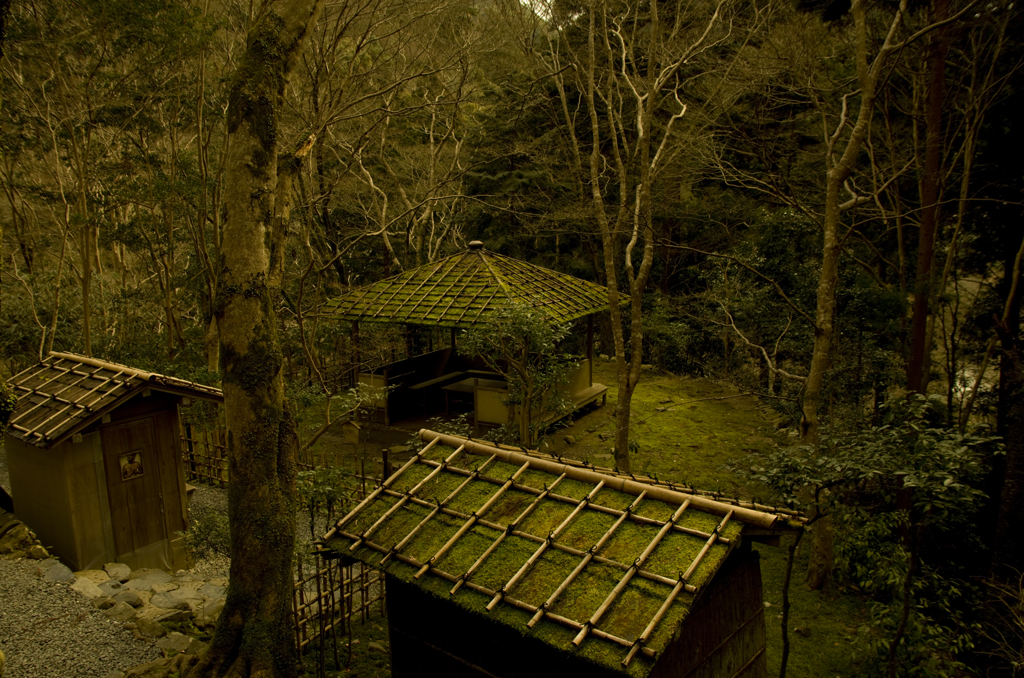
x=58, y=572
x=87, y=588
x=118, y=571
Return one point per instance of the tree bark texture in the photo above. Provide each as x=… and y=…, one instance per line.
x=254, y=636
x=920, y=346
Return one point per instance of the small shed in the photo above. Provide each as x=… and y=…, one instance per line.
x=94, y=455
x=464, y=291
x=503, y=562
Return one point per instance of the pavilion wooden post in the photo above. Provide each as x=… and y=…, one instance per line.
x=355, y=353
x=590, y=348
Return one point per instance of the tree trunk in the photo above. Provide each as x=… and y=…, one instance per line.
x=920, y=344
x=254, y=636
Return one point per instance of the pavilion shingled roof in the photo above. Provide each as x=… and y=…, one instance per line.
x=65, y=392
x=590, y=562
x=466, y=289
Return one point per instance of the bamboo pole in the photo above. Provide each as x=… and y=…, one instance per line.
x=401, y=502
x=385, y=484
x=597, y=507
x=587, y=557
x=676, y=590
x=626, y=578
x=745, y=515
x=544, y=545
x=523, y=605
x=436, y=509
x=471, y=521
x=644, y=574
x=501, y=537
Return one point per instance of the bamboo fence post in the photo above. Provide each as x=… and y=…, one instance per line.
x=472, y=520
x=544, y=546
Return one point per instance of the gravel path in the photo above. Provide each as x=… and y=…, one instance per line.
x=50, y=631
x=47, y=630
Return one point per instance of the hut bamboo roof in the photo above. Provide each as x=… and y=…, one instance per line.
x=466, y=290
x=65, y=392
x=602, y=565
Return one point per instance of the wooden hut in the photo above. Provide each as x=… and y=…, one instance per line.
x=94, y=455
x=502, y=562
x=465, y=291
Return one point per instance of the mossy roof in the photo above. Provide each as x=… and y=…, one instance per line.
x=466, y=290
x=65, y=392
x=508, y=536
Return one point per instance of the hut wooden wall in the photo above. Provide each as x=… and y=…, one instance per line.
x=431, y=636
x=146, y=512
x=724, y=634
x=61, y=494
x=723, y=637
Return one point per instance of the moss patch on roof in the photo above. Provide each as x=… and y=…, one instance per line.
x=549, y=523
x=466, y=289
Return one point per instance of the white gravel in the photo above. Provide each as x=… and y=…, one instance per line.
x=48, y=630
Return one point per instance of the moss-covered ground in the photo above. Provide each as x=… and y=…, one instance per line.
x=690, y=431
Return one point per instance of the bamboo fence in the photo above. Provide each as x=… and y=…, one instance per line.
x=205, y=456
x=328, y=597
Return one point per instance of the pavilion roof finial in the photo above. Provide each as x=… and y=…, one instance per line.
x=476, y=244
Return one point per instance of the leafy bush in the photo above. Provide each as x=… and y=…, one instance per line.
x=905, y=500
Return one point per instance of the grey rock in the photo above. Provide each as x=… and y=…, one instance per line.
x=95, y=576
x=44, y=565
x=163, y=587
x=570, y=440
x=184, y=576
x=129, y=597
x=118, y=571
x=174, y=643
x=104, y=603
x=111, y=587
x=138, y=585
x=87, y=588
x=375, y=646
x=175, y=616
x=196, y=647
x=151, y=628
x=121, y=612
x=207, y=615
x=167, y=602
x=37, y=552
x=152, y=575
x=58, y=572
x=210, y=591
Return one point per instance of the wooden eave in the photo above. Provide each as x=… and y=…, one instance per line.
x=66, y=393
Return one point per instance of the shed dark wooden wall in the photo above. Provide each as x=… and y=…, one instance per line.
x=723, y=637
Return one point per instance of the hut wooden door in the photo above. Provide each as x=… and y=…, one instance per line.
x=131, y=457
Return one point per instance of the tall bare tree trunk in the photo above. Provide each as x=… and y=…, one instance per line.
x=920, y=338
x=254, y=636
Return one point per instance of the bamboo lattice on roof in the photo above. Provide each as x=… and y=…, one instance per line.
x=573, y=557
x=466, y=290
x=66, y=392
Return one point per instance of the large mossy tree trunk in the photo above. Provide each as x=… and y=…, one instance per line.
x=254, y=635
